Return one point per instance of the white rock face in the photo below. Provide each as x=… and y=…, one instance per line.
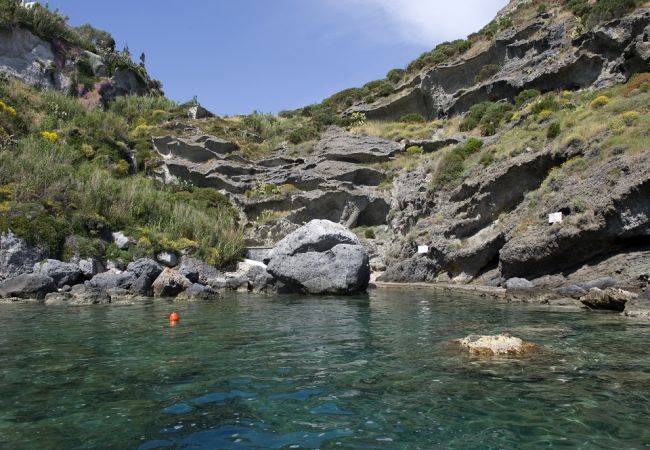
x=167, y=259
x=121, y=240
x=30, y=59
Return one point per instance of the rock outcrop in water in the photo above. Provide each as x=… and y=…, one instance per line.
x=497, y=345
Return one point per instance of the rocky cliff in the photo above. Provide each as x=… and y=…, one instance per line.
x=489, y=223
x=517, y=159
x=547, y=54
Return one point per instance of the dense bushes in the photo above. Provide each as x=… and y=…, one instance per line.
x=442, y=53
x=553, y=130
x=412, y=118
x=488, y=116
x=525, y=96
x=66, y=173
x=592, y=12
x=451, y=166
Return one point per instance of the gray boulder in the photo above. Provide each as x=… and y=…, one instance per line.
x=170, y=283
x=571, y=290
x=519, y=284
x=416, y=269
x=112, y=279
x=321, y=257
x=638, y=308
x=259, y=280
x=609, y=299
x=146, y=270
x=198, y=292
x=167, y=259
x=62, y=273
x=145, y=267
x=198, y=112
x=196, y=270
x=80, y=295
x=90, y=267
x=28, y=286
x=121, y=240
x=17, y=257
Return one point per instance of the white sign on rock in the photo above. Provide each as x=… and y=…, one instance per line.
x=423, y=249
x=555, y=218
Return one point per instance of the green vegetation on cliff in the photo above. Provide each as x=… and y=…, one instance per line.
x=66, y=171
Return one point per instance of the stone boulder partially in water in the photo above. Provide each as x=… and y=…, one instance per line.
x=62, y=273
x=609, y=299
x=321, y=257
x=496, y=345
x=27, y=286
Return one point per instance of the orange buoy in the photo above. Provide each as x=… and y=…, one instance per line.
x=174, y=317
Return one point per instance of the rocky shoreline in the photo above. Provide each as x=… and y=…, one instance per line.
x=321, y=257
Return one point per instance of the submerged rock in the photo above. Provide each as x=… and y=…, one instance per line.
x=497, y=345
x=321, y=257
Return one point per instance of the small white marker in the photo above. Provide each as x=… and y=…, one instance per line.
x=555, y=218
x=423, y=249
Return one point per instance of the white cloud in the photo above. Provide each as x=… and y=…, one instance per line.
x=420, y=22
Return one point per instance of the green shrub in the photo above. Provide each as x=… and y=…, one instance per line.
x=600, y=10
x=546, y=103
x=553, y=130
x=525, y=96
x=442, y=53
x=395, y=75
x=487, y=72
x=379, y=88
x=470, y=147
x=414, y=150
x=451, y=165
x=302, y=134
x=369, y=233
x=449, y=169
x=599, y=102
x=488, y=116
x=487, y=158
x=412, y=118
x=263, y=190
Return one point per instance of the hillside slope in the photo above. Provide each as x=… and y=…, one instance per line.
x=464, y=153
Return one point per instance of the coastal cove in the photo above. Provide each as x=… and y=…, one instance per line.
x=366, y=371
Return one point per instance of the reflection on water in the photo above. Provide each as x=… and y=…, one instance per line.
x=291, y=372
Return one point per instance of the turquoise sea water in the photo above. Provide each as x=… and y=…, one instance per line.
x=366, y=372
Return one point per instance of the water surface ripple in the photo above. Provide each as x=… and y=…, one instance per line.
x=366, y=372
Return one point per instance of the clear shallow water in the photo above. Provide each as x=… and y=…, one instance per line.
x=370, y=372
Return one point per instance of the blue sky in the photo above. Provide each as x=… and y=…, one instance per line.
x=268, y=55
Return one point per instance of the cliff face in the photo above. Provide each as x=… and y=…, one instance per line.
x=580, y=150
x=545, y=117
x=547, y=54
x=59, y=65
